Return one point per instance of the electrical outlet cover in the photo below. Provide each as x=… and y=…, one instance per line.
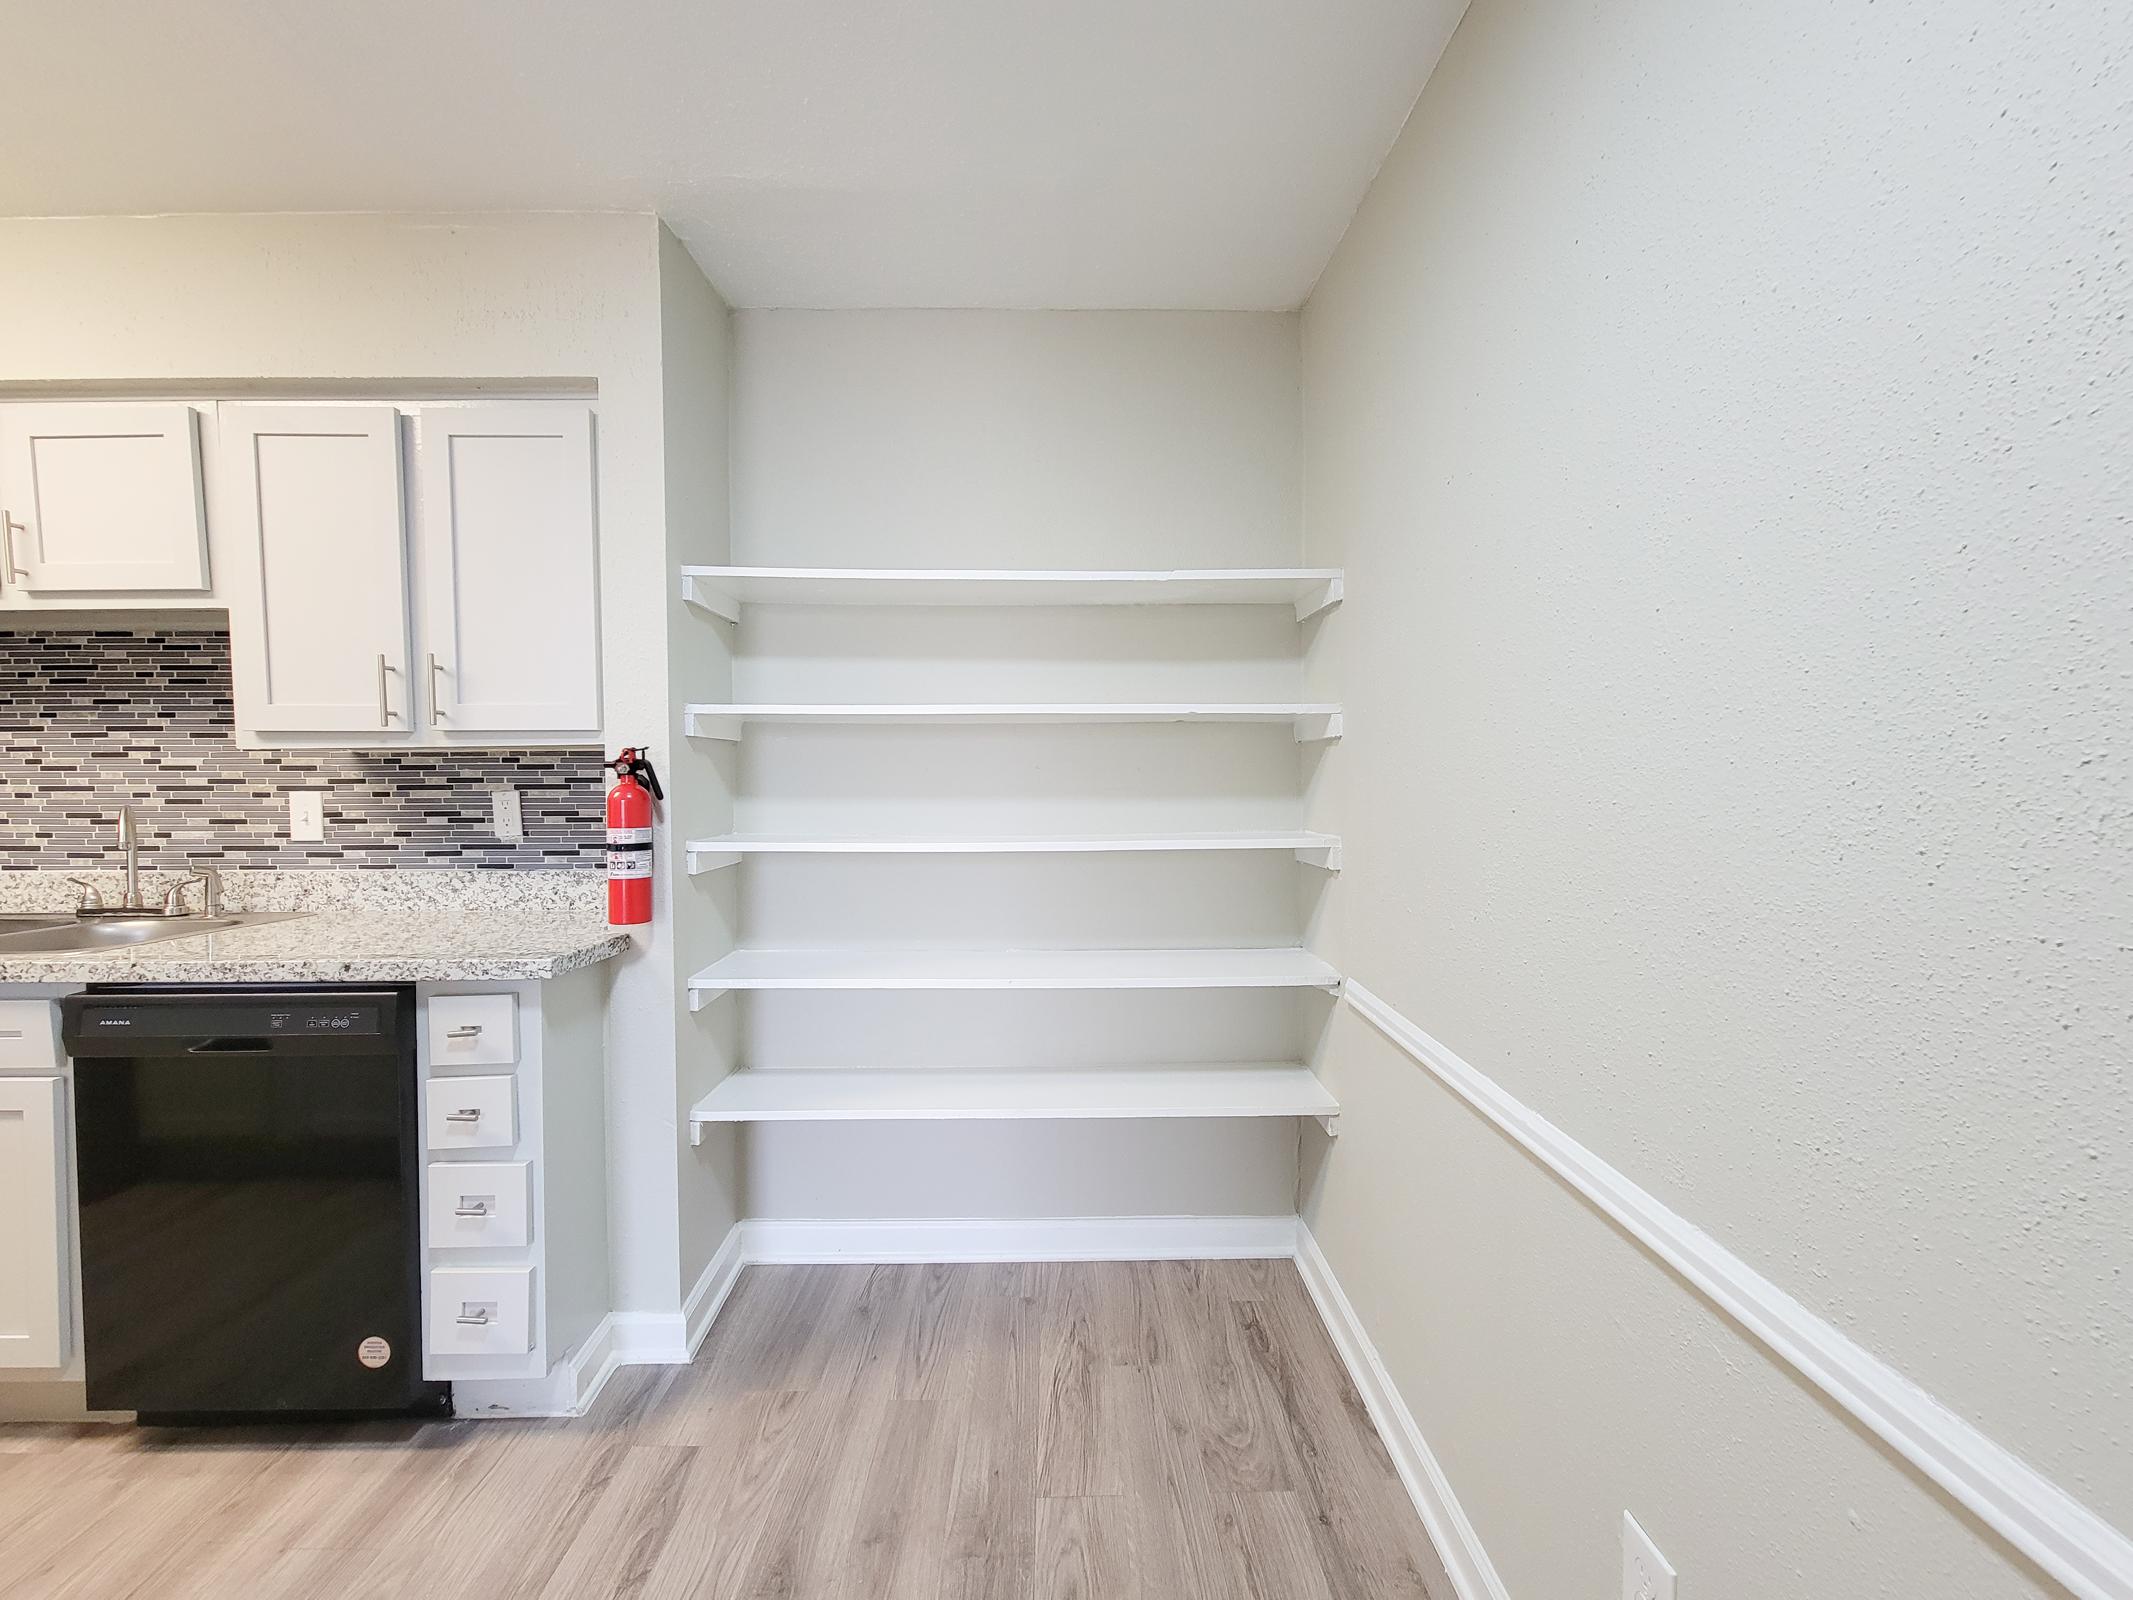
x=307, y=816
x=506, y=819
x=1645, y=1573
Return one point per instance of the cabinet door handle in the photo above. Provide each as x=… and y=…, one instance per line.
x=466, y=1030
x=480, y=1208
x=8, y=525
x=436, y=703
x=10, y=1033
x=472, y=1318
x=465, y=1114
x=385, y=710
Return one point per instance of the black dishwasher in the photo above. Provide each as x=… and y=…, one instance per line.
x=250, y=1231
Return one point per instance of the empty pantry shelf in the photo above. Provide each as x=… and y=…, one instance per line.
x=1255, y=967
x=1255, y=1089
x=725, y=850
x=1311, y=723
x=724, y=590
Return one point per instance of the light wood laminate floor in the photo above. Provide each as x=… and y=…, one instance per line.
x=1158, y=1430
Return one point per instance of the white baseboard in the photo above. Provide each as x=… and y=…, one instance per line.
x=2084, y=1553
x=569, y=1387
x=650, y=1338
x=716, y=1282
x=1473, y=1575
x=623, y=1339
x=923, y=1239
x=655, y=1338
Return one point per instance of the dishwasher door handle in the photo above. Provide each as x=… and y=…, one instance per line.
x=231, y=1047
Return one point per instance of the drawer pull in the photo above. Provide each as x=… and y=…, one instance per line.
x=466, y=1030
x=470, y=1207
x=464, y=1114
x=474, y=1317
x=10, y=1033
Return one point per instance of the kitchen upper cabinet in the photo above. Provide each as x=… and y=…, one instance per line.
x=314, y=551
x=510, y=567
x=101, y=499
x=463, y=613
x=35, y=1281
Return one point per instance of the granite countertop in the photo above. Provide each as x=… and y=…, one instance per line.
x=386, y=927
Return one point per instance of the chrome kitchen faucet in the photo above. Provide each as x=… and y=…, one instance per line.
x=129, y=838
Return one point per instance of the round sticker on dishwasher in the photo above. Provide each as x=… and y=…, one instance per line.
x=374, y=1352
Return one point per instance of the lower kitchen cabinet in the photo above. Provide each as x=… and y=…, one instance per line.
x=515, y=1259
x=35, y=1286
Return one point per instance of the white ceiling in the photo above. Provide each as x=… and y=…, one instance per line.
x=1030, y=153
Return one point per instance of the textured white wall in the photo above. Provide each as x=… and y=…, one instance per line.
x=1075, y=439
x=371, y=301
x=1725, y=416
x=974, y=438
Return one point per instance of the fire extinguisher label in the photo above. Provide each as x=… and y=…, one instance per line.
x=641, y=836
x=629, y=864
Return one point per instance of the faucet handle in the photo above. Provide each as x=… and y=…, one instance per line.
x=211, y=894
x=92, y=898
x=174, y=897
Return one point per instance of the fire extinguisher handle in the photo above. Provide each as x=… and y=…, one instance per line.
x=633, y=763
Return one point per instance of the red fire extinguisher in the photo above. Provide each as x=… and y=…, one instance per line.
x=629, y=839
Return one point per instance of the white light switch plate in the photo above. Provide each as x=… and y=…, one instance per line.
x=1645, y=1573
x=307, y=816
x=506, y=820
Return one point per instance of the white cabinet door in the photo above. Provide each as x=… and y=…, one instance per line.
x=33, y=1224
x=315, y=562
x=99, y=498
x=510, y=568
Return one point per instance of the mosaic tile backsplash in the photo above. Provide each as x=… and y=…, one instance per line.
x=93, y=720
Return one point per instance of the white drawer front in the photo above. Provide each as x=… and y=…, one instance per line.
x=473, y=1030
x=480, y=1204
x=470, y=1113
x=481, y=1311
x=29, y=1034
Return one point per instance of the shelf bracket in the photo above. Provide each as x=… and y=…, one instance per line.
x=1318, y=727
x=1326, y=856
x=696, y=1130
x=1330, y=1122
x=699, y=998
x=712, y=860
x=1318, y=598
x=703, y=725
x=719, y=602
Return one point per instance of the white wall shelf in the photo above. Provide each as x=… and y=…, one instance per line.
x=1312, y=723
x=724, y=590
x=726, y=850
x=1254, y=967
x=1257, y=1089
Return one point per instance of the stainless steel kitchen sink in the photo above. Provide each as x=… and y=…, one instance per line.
x=48, y=933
